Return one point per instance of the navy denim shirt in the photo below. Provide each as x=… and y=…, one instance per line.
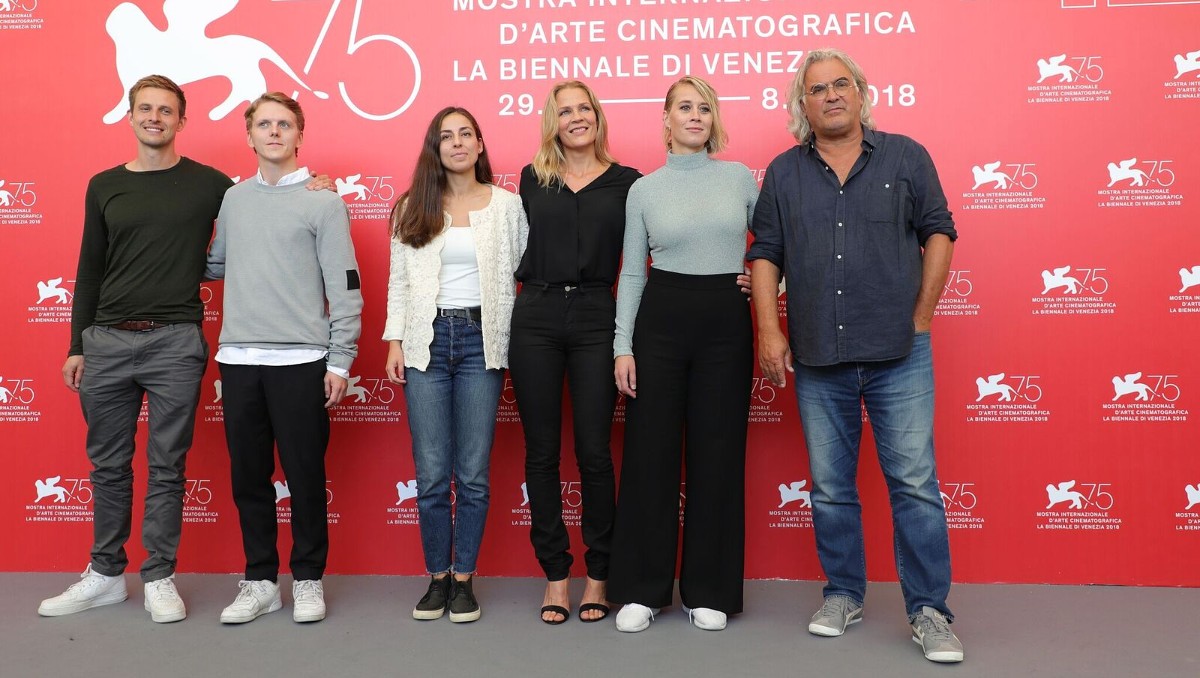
x=850, y=254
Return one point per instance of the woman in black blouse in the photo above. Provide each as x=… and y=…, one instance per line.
x=562, y=326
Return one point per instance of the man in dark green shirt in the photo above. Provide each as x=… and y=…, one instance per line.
x=136, y=332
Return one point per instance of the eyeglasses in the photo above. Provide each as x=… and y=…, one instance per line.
x=840, y=87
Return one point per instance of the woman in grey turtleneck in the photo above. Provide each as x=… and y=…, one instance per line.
x=684, y=358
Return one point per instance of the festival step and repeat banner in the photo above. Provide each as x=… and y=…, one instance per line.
x=1063, y=132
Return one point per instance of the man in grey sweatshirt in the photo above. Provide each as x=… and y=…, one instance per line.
x=292, y=320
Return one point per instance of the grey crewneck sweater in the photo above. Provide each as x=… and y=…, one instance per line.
x=690, y=216
x=291, y=279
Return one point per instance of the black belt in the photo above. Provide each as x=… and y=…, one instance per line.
x=473, y=314
x=566, y=287
x=140, y=325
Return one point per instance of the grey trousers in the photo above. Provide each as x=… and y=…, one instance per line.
x=120, y=367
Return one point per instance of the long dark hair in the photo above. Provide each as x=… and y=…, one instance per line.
x=418, y=215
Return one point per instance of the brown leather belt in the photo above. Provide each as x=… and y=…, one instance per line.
x=139, y=325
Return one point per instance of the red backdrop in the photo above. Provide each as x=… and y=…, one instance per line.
x=1063, y=130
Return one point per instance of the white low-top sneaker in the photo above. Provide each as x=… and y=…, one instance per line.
x=254, y=599
x=92, y=590
x=163, y=601
x=308, y=600
x=634, y=617
x=706, y=618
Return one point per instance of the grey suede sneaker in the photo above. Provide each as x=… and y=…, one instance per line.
x=931, y=630
x=835, y=615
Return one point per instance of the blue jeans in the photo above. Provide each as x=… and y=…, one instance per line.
x=898, y=395
x=452, y=417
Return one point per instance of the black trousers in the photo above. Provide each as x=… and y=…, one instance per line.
x=285, y=406
x=556, y=334
x=693, y=348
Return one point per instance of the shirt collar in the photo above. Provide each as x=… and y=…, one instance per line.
x=287, y=179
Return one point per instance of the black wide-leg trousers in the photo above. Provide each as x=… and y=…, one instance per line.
x=693, y=347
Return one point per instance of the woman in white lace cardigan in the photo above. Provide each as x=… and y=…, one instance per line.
x=456, y=241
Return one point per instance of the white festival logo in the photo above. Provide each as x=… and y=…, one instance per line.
x=49, y=289
x=405, y=491
x=1187, y=64
x=1062, y=492
x=990, y=173
x=185, y=54
x=792, y=493
x=1125, y=171
x=524, y=494
x=1193, y=495
x=993, y=386
x=1128, y=385
x=20, y=195
x=353, y=389
x=217, y=388
x=281, y=491
x=1054, y=66
x=1189, y=278
x=21, y=391
x=50, y=488
x=350, y=185
x=10, y=6
x=1060, y=278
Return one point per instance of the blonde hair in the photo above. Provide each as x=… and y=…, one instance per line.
x=279, y=98
x=798, y=123
x=549, y=159
x=717, y=137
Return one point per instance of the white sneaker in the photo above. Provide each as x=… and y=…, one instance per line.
x=706, y=618
x=634, y=617
x=308, y=600
x=254, y=599
x=92, y=590
x=163, y=601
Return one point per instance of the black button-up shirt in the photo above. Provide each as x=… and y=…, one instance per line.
x=575, y=237
x=850, y=254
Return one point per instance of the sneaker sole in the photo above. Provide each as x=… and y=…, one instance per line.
x=946, y=657
x=462, y=617
x=99, y=601
x=165, y=618
x=428, y=615
x=831, y=632
x=307, y=618
x=275, y=605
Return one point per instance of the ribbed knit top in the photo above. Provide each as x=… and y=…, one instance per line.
x=690, y=216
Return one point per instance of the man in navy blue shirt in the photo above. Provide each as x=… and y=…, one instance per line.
x=856, y=221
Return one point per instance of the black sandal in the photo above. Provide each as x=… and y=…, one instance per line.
x=556, y=609
x=588, y=607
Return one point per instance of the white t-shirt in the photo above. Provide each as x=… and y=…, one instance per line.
x=458, y=280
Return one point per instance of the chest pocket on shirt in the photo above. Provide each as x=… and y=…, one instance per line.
x=890, y=202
